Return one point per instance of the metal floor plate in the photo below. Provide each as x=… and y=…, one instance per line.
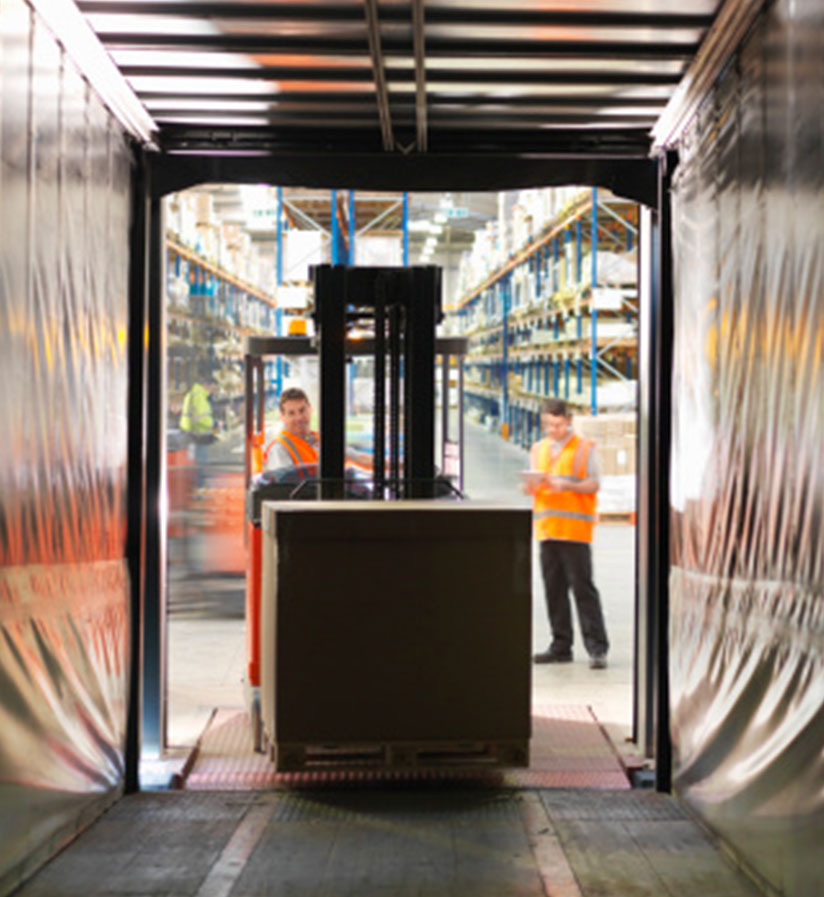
x=568, y=750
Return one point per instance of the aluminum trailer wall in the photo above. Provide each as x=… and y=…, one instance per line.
x=747, y=480
x=64, y=207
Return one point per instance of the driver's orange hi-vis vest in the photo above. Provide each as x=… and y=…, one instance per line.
x=568, y=516
x=300, y=451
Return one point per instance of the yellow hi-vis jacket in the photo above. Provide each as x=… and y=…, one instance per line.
x=196, y=415
x=567, y=516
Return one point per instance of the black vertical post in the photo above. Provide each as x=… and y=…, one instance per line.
x=419, y=381
x=396, y=316
x=249, y=412
x=663, y=357
x=445, y=369
x=136, y=462
x=651, y=684
x=379, y=404
x=154, y=640
x=330, y=305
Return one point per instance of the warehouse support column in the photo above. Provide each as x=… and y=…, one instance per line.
x=279, y=282
x=593, y=311
x=352, y=227
x=405, y=229
x=503, y=287
x=136, y=463
x=334, y=230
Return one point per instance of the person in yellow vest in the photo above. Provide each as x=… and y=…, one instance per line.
x=198, y=421
x=564, y=483
x=296, y=446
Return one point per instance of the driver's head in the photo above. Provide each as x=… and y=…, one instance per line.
x=295, y=411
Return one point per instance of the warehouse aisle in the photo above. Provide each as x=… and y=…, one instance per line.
x=207, y=640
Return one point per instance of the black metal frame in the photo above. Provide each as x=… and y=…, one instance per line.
x=651, y=680
x=137, y=456
x=634, y=178
x=415, y=294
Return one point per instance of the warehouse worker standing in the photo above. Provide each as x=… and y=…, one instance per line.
x=564, y=484
x=198, y=421
x=296, y=446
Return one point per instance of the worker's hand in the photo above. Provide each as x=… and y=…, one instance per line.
x=554, y=484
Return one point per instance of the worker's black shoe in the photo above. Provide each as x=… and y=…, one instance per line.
x=598, y=662
x=552, y=656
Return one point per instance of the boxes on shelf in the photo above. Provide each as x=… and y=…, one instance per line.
x=301, y=250
x=204, y=209
x=614, y=269
x=378, y=251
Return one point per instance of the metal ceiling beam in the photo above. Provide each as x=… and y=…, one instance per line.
x=464, y=47
x=400, y=98
x=510, y=77
x=419, y=46
x=379, y=73
x=458, y=118
x=634, y=178
x=339, y=12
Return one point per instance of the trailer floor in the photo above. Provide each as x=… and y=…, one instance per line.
x=568, y=749
x=445, y=840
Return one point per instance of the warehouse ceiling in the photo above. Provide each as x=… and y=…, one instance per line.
x=406, y=77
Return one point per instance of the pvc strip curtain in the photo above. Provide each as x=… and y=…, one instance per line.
x=64, y=207
x=747, y=578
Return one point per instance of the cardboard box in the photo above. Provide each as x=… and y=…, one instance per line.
x=395, y=622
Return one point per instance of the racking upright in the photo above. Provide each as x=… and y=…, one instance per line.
x=216, y=296
x=557, y=318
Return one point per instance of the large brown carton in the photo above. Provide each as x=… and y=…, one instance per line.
x=392, y=623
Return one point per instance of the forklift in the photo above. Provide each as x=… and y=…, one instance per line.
x=399, y=308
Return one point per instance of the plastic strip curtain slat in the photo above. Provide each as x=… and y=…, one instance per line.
x=64, y=200
x=747, y=496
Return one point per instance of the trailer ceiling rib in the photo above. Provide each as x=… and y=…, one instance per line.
x=403, y=77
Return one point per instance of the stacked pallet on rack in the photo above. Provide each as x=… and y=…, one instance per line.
x=555, y=311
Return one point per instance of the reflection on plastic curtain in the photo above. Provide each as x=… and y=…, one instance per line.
x=747, y=578
x=64, y=198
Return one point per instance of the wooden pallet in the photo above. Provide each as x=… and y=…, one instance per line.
x=398, y=755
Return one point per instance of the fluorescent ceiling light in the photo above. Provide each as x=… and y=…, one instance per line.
x=440, y=218
x=436, y=229
x=420, y=225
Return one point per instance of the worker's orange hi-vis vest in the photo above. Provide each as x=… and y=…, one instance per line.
x=300, y=451
x=568, y=516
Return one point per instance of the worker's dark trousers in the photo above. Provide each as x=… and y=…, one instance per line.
x=568, y=565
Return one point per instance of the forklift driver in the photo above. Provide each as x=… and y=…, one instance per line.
x=295, y=448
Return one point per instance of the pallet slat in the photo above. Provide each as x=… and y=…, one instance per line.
x=398, y=755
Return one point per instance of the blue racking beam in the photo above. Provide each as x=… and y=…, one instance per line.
x=593, y=366
x=335, y=230
x=405, y=229
x=352, y=223
x=279, y=282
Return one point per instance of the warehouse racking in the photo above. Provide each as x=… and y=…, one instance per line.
x=219, y=289
x=557, y=317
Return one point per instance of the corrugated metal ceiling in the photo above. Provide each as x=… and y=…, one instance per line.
x=451, y=76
